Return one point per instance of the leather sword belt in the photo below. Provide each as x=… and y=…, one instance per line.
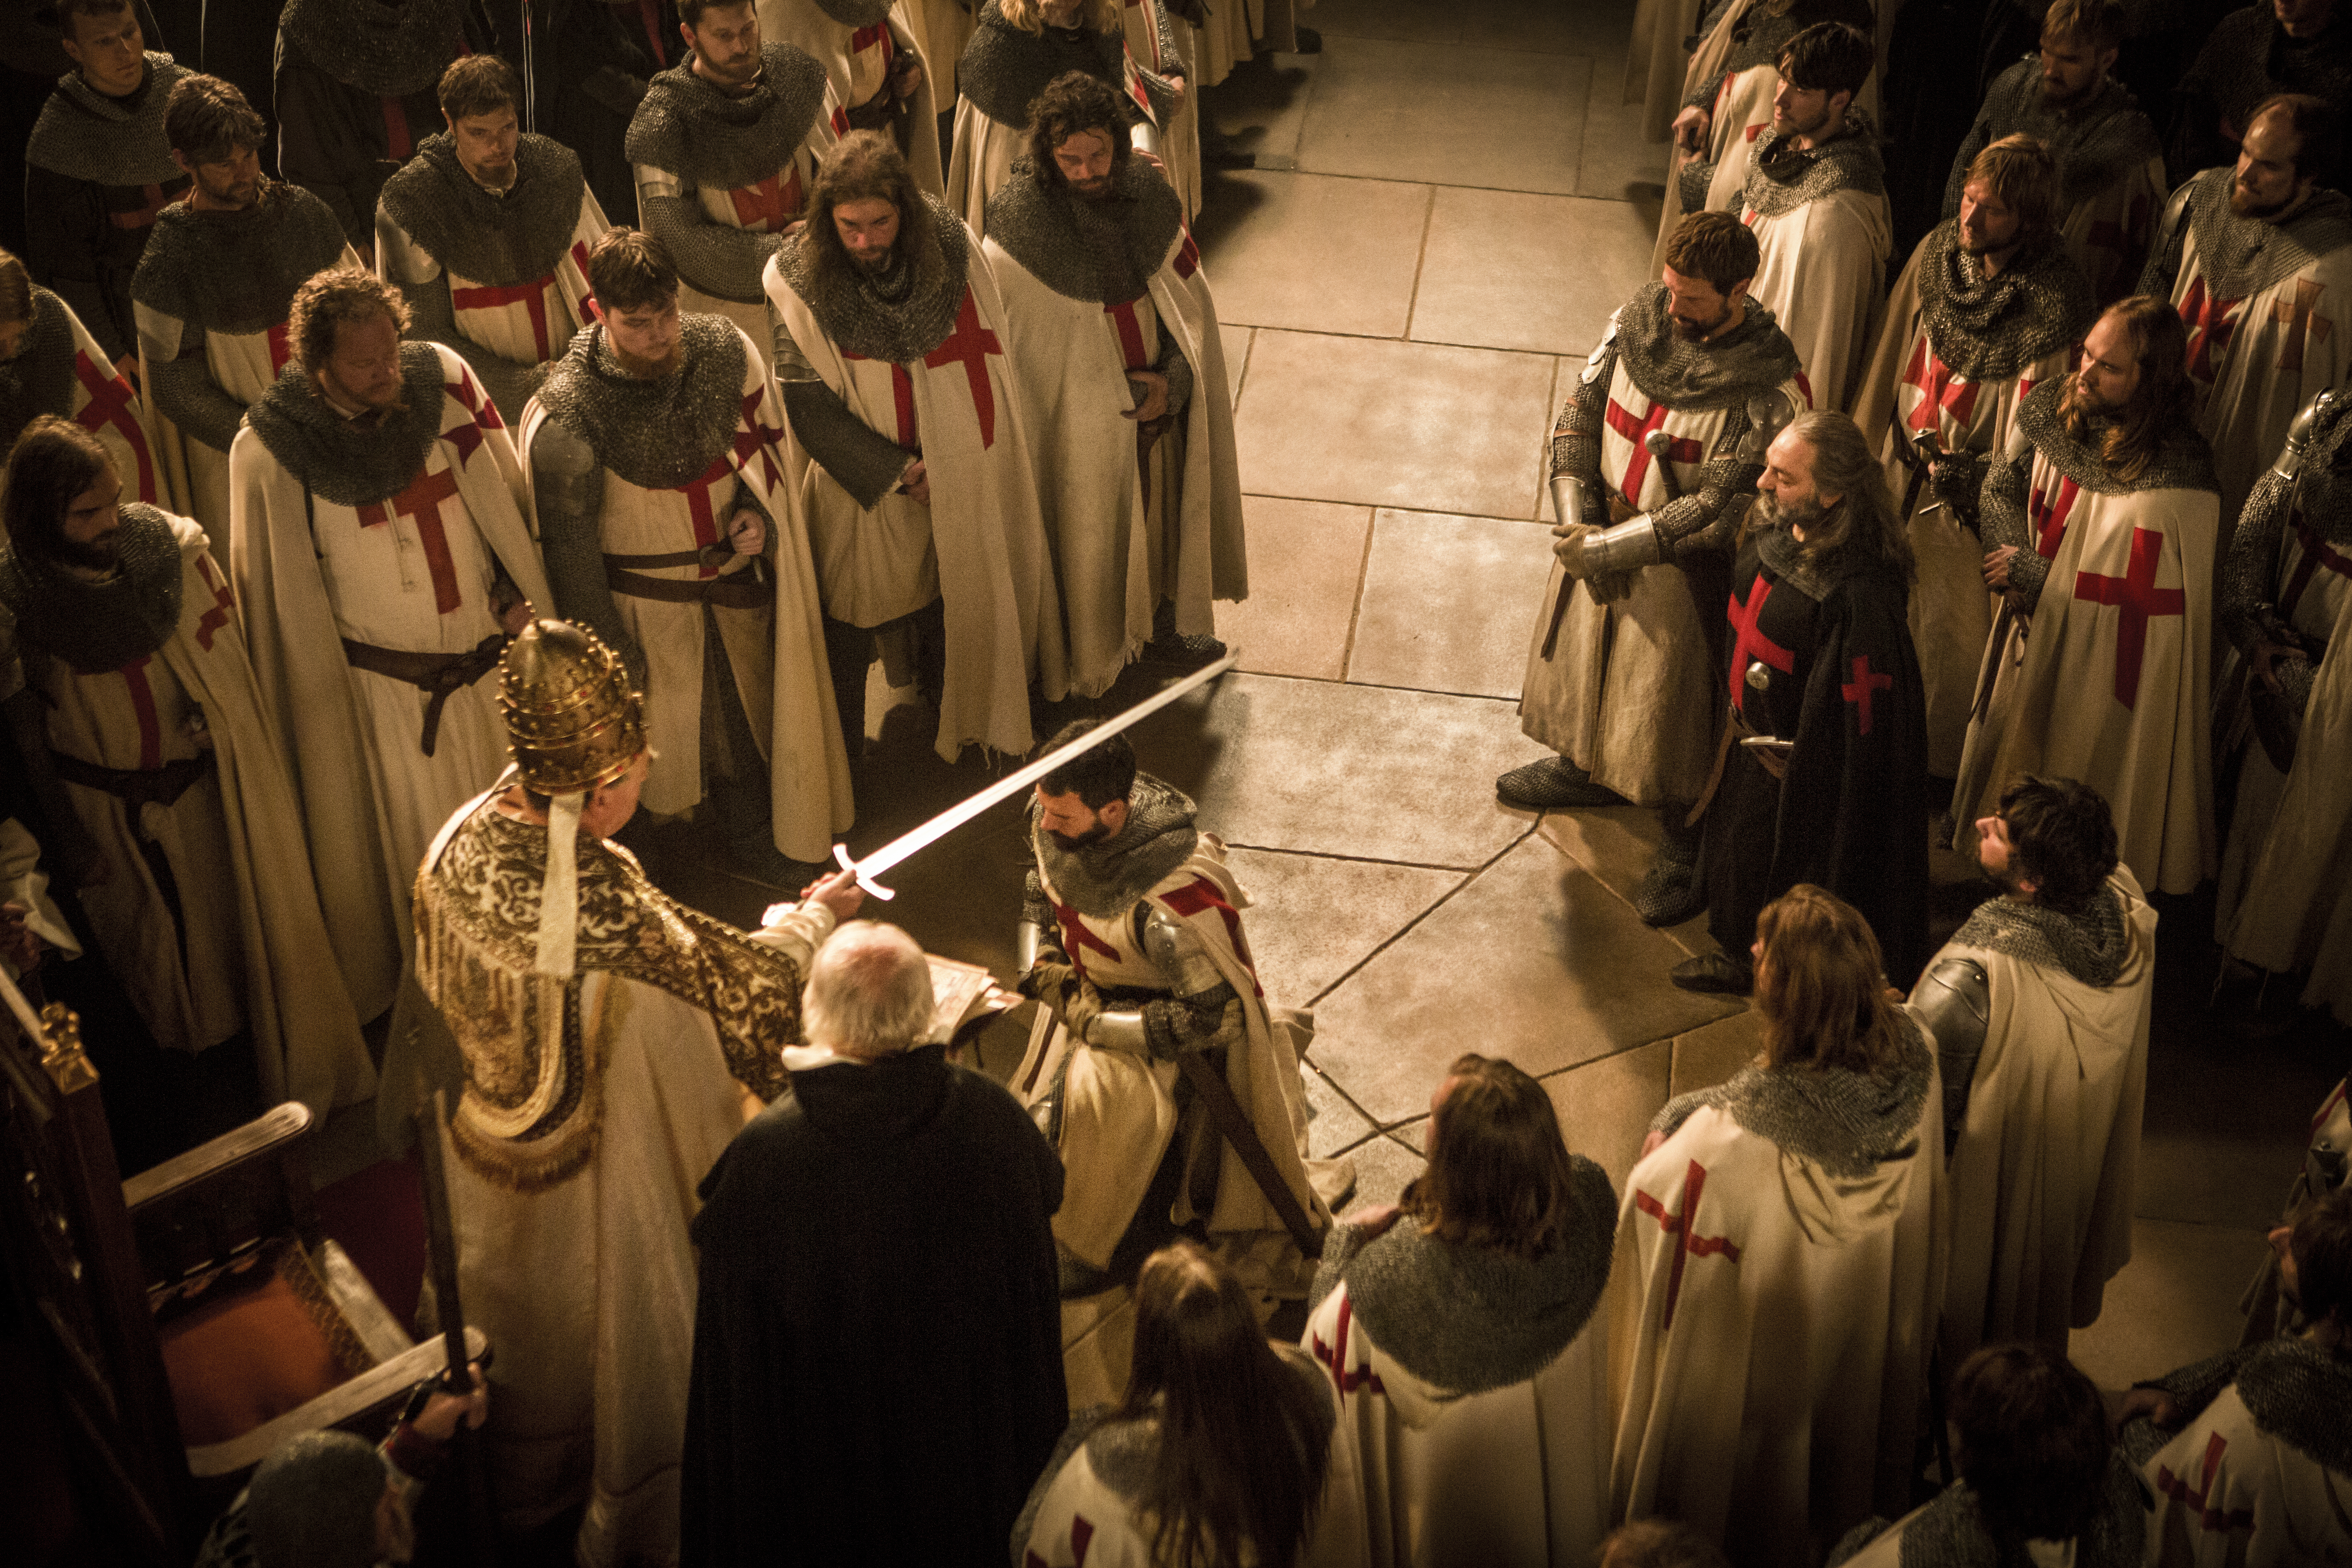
x=736, y=591
x=440, y=675
x=880, y=112
x=135, y=787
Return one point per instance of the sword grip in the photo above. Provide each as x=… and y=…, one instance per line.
x=841, y=857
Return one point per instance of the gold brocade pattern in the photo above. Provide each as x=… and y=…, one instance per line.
x=529, y=1117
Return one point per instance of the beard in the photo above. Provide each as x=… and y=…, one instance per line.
x=1981, y=244
x=874, y=263
x=100, y=554
x=2079, y=405
x=1697, y=332
x=2055, y=97
x=1071, y=843
x=1773, y=513
x=2244, y=205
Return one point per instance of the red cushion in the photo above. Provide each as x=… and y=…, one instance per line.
x=262, y=1342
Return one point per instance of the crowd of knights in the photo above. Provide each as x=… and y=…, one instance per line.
x=387, y=527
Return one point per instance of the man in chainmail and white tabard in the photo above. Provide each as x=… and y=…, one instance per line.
x=725, y=147
x=2258, y=261
x=908, y=456
x=355, y=88
x=656, y=452
x=213, y=290
x=2286, y=605
x=603, y=1044
x=1815, y=197
x=876, y=68
x=49, y=363
x=2111, y=183
x=487, y=232
x=1624, y=665
x=1990, y=308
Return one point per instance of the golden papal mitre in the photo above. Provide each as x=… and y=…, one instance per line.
x=573, y=723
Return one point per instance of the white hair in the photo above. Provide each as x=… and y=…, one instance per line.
x=868, y=992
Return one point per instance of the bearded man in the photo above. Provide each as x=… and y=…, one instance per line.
x=382, y=555
x=1824, y=769
x=2251, y=55
x=908, y=456
x=875, y=68
x=1990, y=308
x=213, y=290
x=1018, y=49
x=2248, y=258
x=725, y=146
x=1621, y=668
x=652, y=1033
x=1727, y=93
x=2111, y=179
x=99, y=169
x=487, y=233
x=1816, y=198
x=2040, y=1006
x=355, y=88
x=656, y=460
x=2285, y=605
x=1121, y=377
x=49, y=363
x=142, y=731
x=2100, y=520
x=1131, y=940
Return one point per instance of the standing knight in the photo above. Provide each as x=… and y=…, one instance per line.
x=49, y=363
x=877, y=70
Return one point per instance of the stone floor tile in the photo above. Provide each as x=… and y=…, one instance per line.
x=1616, y=842
x=1315, y=253
x=1356, y=770
x=1614, y=161
x=1550, y=28
x=1533, y=960
x=1605, y=1106
x=1506, y=270
x=1383, y=1168
x=1335, y=1124
x=1306, y=558
x=1429, y=613
x=2213, y=1153
x=1313, y=917
x=2175, y=1302
x=1406, y=21
x=1259, y=108
x=1447, y=115
x=1235, y=342
x=1708, y=1055
x=1394, y=423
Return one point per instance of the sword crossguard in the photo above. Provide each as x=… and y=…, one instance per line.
x=841, y=854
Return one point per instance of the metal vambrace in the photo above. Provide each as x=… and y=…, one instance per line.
x=1623, y=549
x=1955, y=1000
x=1567, y=500
x=1121, y=1031
x=1145, y=138
x=2299, y=434
x=1028, y=940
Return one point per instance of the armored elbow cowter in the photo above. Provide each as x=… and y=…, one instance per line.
x=2299, y=434
x=1955, y=1000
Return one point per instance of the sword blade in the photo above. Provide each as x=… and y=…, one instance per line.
x=955, y=816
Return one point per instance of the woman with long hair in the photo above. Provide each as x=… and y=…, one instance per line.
x=1778, y=1265
x=1456, y=1327
x=1220, y=1456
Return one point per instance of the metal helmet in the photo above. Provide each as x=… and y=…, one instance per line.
x=572, y=722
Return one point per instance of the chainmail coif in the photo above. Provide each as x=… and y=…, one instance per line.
x=2183, y=462
x=687, y=127
x=236, y=272
x=499, y=240
x=2320, y=498
x=1847, y=1122
x=2094, y=144
x=1005, y=69
x=863, y=322
x=2092, y=945
x=1782, y=176
x=352, y=462
x=1726, y=371
x=2241, y=256
x=98, y=627
x=84, y=134
x=1103, y=253
x=1101, y=879
x=1951, y=1532
x=1469, y=1318
x=2301, y=1394
x=392, y=50
x=1765, y=30
x=657, y=434
x=1989, y=329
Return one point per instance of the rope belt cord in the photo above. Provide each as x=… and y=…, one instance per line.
x=438, y=675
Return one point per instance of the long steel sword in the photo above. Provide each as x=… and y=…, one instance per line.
x=955, y=816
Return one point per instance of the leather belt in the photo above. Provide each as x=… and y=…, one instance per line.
x=880, y=112
x=135, y=787
x=439, y=675
x=741, y=590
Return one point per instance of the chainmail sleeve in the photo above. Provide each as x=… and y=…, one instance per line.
x=1576, y=435
x=567, y=486
x=1035, y=909
x=2163, y=269
x=2198, y=1384
x=721, y=262
x=510, y=383
x=856, y=456
x=2241, y=606
x=2001, y=520
x=1702, y=522
x=1166, y=28
x=1179, y=371
x=189, y=397
x=1957, y=480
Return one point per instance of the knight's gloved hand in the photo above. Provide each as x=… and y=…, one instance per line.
x=1049, y=981
x=1954, y=481
x=1568, y=545
x=1081, y=1005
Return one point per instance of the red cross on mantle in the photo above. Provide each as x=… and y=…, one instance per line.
x=2210, y=328
x=652, y=13
x=1200, y=893
x=142, y=703
x=865, y=39
x=144, y=217
x=1187, y=260
x=281, y=348
x=2317, y=552
x=697, y=506
x=973, y=343
x=2139, y=597
x=1681, y=448
x=1129, y=328
x=110, y=404
x=2303, y=322
x=531, y=296
x=2198, y=1500
x=421, y=504
x=1752, y=643
x=396, y=142
x=224, y=602
x=1858, y=691
x=754, y=437
x=2048, y=513
x=1334, y=1356
x=588, y=310
x=771, y=203
x=1077, y=937
x=1940, y=392
x=1684, y=1227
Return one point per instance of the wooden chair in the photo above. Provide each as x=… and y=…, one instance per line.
x=194, y=1317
